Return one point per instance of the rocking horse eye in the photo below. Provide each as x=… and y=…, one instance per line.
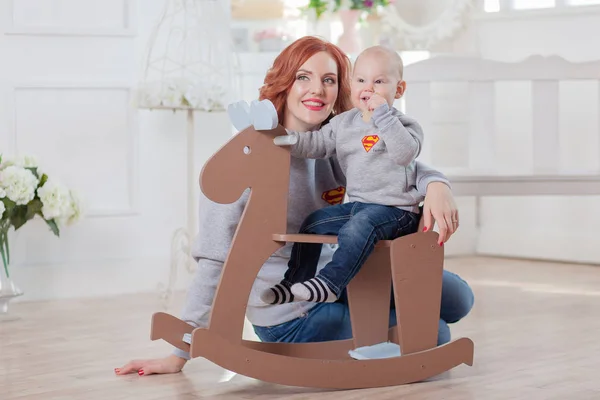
x=247, y=150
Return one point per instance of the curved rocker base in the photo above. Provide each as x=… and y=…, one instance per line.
x=330, y=374
x=172, y=329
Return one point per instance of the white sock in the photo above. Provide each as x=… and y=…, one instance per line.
x=277, y=294
x=314, y=290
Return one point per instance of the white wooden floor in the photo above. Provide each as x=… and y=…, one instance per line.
x=536, y=328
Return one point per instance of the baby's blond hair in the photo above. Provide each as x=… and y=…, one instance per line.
x=391, y=55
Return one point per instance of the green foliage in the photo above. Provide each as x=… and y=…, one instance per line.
x=364, y=5
x=321, y=6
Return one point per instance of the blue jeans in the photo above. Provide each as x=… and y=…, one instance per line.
x=331, y=321
x=359, y=226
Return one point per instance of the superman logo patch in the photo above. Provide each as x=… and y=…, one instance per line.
x=334, y=196
x=369, y=141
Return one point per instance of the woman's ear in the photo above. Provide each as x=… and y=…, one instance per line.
x=400, y=89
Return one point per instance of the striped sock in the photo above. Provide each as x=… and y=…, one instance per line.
x=314, y=290
x=277, y=294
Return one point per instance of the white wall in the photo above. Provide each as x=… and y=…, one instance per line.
x=541, y=227
x=65, y=78
x=66, y=74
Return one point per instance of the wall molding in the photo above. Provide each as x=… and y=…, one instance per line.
x=129, y=28
x=95, y=278
x=132, y=209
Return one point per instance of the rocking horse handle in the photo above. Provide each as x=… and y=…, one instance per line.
x=287, y=140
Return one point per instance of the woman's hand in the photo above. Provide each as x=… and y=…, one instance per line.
x=440, y=208
x=168, y=365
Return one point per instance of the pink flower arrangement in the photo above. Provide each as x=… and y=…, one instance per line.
x=271, y=33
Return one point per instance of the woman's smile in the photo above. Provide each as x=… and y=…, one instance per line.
x=313, y=104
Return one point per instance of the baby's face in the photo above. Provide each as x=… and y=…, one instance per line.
x=375, y=73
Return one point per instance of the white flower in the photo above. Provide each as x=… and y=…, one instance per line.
x=151, y=94
x=56, y=200
x=26, y=161
x=19, y=184
x=206, y=96
x=193, y=97
x=2, y=209
x=172, y=95
x=75, y=209
x=2, y=193
x=6, y=163
x=151, y=100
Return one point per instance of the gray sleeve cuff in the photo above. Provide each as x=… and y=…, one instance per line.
x=426, y=180
x=382, y=115
x=181, y=354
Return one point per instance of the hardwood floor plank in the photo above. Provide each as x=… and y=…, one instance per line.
x=535, y=326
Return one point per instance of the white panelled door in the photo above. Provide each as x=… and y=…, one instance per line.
x=68, y=69
x=67, y=74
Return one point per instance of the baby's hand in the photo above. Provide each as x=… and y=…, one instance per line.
x=375, y=101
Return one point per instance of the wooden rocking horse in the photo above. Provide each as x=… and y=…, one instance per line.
x=413, y=263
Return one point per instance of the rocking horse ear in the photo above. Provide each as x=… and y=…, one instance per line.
x=239, y=115
x=264, y=115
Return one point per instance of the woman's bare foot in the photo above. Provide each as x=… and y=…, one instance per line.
x=168, y=365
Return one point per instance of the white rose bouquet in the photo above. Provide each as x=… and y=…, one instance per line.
x=25, y=193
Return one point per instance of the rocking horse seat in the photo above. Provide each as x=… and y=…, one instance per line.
x=324, y=239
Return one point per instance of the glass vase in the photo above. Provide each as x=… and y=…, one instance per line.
x=8, y=288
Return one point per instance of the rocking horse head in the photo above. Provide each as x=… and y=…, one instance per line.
x=250, y=159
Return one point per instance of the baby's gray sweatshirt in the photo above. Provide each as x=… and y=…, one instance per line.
x=377, y=157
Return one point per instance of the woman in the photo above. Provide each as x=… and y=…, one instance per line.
x=308, y=83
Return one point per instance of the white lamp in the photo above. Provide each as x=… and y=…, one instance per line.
x=190, y=65
x=190, y=61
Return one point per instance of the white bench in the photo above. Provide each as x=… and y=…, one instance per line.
x=478, y=178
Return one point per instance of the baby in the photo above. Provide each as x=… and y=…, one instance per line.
x=376, y=146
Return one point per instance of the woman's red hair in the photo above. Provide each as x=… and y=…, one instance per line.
x=282, y=74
